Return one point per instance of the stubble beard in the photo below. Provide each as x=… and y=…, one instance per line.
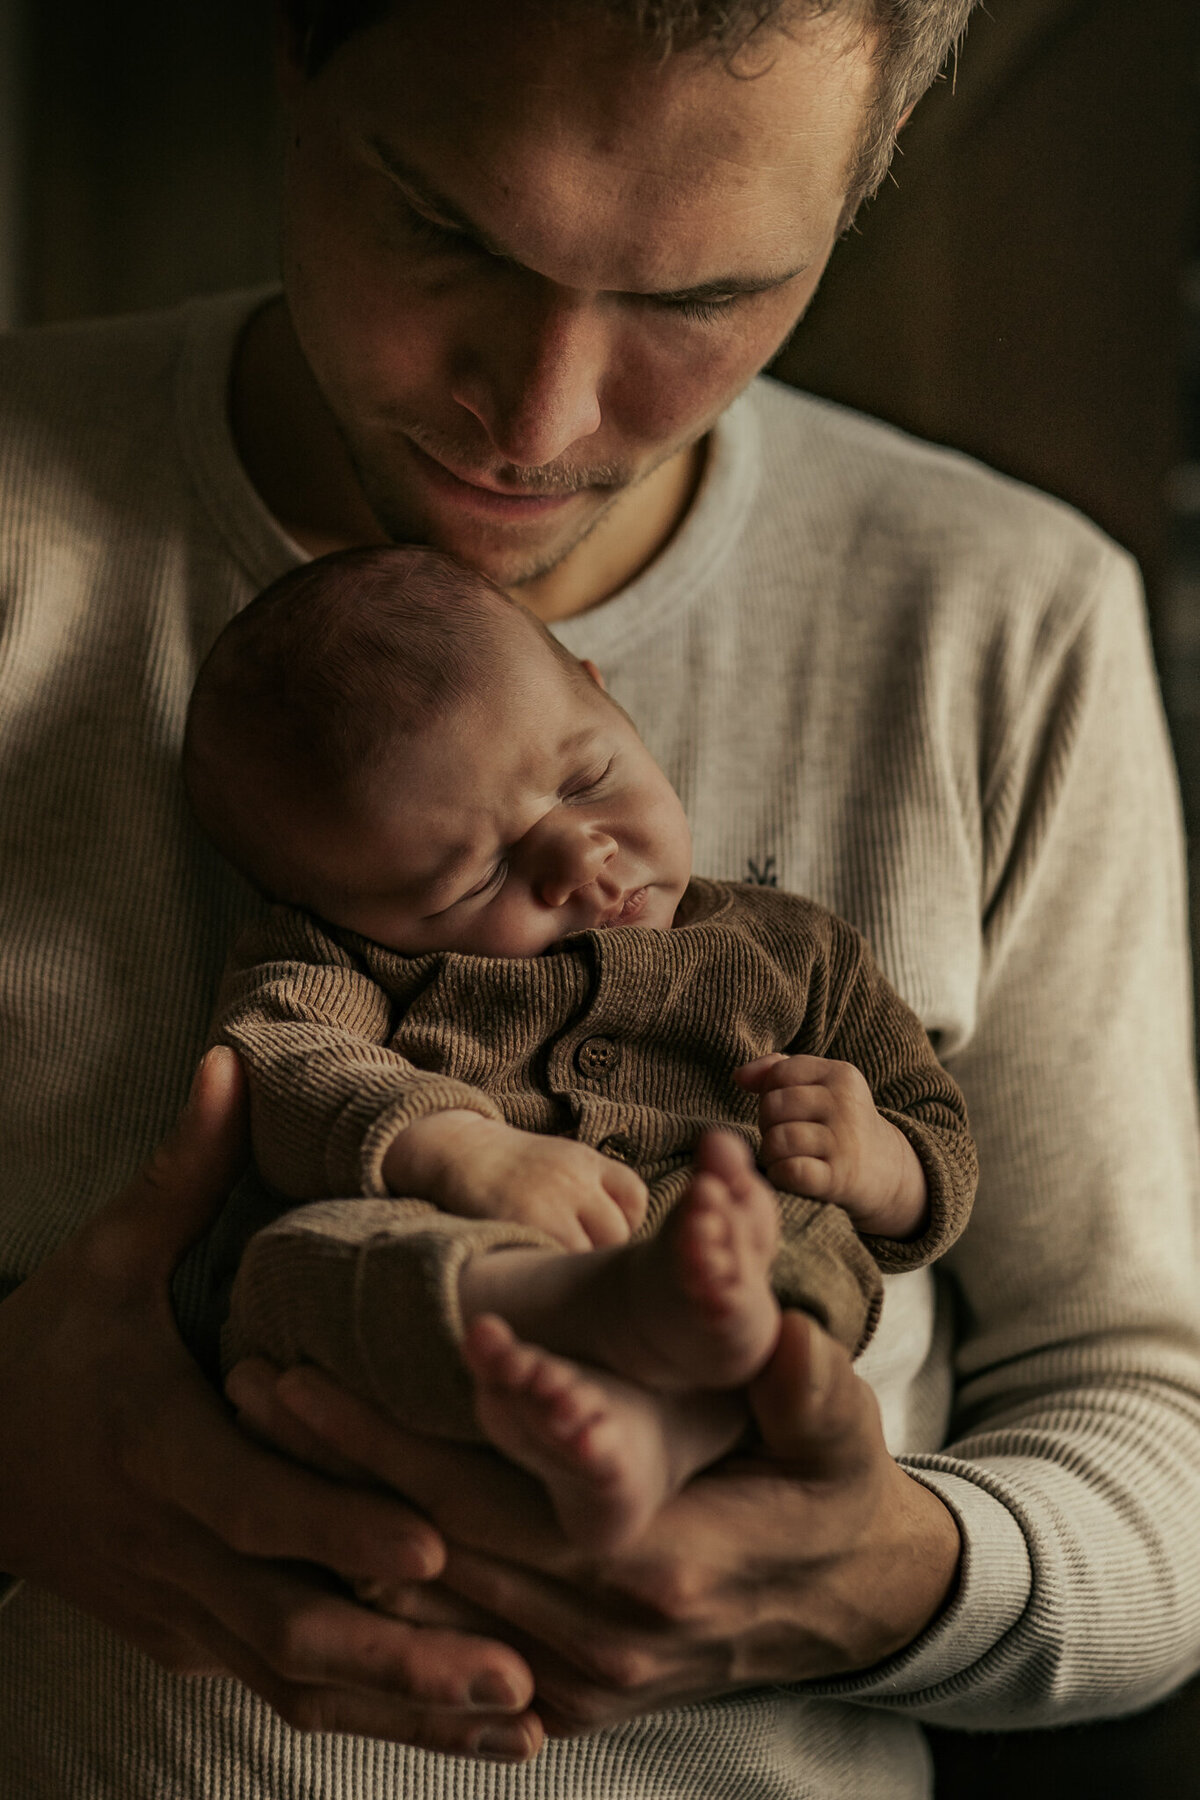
x=403, y=523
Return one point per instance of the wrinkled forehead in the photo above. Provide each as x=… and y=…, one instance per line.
x=602, y=163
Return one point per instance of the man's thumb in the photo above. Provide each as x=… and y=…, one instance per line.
x=807, y=1401
x=183, y=1185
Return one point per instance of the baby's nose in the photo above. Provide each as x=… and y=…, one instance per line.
x=574, y=862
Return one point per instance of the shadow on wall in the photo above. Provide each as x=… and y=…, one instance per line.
x=1015, y=289
x=149, y=153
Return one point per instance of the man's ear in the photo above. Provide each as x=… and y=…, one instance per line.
x=593, y=671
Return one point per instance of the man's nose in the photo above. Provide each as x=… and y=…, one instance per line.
x=533, y=381
x=568, y=860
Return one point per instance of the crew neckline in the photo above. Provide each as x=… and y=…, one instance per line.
x=690, y=559
x=694, y=554
x=236, y=510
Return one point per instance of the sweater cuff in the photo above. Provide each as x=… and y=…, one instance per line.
x=363, y=1133
x=9, y=1585
x=994, y=1587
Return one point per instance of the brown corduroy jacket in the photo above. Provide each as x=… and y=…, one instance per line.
x=623, y=1039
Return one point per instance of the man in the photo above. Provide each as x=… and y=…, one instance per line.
x=532, y=256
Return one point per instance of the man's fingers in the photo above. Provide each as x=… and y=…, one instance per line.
x=309, y=1634
x=328, y=1706
x=260, y=1505
x=476, y=1496
x=429, y=1603
x=626, y=1660
x=250, y=1386
x=144, y=1231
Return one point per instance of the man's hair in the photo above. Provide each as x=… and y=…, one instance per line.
x=915, y=38
x=318, y=682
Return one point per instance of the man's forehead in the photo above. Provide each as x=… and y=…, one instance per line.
x=566, y=140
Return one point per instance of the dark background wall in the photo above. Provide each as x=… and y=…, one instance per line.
x=1013, y=290
x=1027, y=288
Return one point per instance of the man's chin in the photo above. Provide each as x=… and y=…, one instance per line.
x=511, y=555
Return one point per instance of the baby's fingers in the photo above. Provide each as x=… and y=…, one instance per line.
x=796, y=1141
x=777, y=1070
x=809, y=1176
x=784, y=1105
x=628, y=1191
x=751, y=1074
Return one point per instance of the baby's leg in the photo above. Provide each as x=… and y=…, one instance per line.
x=691, y=1308
x=609, y=1453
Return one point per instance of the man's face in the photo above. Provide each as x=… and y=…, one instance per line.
x=530, y=264
x=531, y=812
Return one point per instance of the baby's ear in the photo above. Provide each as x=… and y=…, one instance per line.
x=587, y=664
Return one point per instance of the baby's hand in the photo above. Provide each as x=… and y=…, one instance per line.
x=481, y=1168
x=822, y=1136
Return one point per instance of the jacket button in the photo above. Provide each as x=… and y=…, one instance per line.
x=620, y=1148
x=596, y=1056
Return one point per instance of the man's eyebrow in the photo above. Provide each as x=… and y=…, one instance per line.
x=417, y=188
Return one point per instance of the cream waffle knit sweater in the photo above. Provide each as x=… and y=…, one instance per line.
x=877, y=675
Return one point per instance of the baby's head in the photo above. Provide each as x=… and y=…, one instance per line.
x=386, y=738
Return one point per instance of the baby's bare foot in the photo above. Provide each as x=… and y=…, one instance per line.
x=691, y=1308
x=608, y=1452
x=702, y=1313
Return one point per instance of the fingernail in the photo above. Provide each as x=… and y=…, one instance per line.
x=423, y=1561
x=506, y=1742
x=491, y=1690
x=199, y=1075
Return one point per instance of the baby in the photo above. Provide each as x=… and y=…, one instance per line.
x=492, y=1002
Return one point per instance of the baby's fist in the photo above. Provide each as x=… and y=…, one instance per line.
x=480, y=1168
x=822, y=1136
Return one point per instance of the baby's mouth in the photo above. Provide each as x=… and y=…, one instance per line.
x=629, y=910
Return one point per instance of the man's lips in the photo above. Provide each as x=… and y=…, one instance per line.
x=481, y=494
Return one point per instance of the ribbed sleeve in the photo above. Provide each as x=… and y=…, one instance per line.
x=329, y=1093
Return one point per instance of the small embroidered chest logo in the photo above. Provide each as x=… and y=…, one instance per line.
x=764, y=876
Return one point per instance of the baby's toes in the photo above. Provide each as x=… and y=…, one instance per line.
x=487, y=1345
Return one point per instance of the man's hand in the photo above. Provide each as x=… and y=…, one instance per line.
x=822, y=1136
x=480, y=1168
x=815, y=1558
x=126, y=1488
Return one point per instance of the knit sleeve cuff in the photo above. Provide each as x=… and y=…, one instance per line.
x=994, y=1586
x=366, y=1127
x=948, y=1162
x=8, y=1587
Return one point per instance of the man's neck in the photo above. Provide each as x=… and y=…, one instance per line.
x=294, y=455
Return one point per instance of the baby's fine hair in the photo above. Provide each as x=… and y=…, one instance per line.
x=344, y=655
x=327, y=671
